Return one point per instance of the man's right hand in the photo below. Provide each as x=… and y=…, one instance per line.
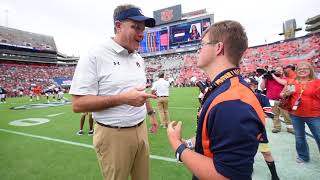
x=136, y=96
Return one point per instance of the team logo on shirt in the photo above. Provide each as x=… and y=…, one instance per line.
x=116, y=63
x=137, y=64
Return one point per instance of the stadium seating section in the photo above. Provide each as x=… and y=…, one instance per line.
x=28, y=40
x=180, y=66
x=15, y=77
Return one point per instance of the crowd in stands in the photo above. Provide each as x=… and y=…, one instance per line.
x=170, y=64
x=283, y=53
x=15, y=37
x=182, y=67
x=19, y=77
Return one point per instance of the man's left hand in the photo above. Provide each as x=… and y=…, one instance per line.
x=154, y=123
x=174, y=134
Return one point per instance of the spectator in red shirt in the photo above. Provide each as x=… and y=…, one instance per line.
x=289, y=71
x=274, y=83
x=304, y=95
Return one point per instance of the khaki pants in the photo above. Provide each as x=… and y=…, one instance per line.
x=163, y=109
x=122, y=152
x=277, y=112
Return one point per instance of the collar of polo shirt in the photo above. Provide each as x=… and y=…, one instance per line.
x=119, y=49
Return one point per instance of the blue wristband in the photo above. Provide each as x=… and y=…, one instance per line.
x=179, y=151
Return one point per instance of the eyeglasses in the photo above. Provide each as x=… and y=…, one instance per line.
x=303, y=69
x=202, y=44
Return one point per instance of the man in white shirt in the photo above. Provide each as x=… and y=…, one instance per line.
x=259, y=79
x=109, y=81
x=161, y=89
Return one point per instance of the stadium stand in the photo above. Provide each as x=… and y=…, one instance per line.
x=18, y=77
x=313, y=24
x=29, y=58
x=17, y=38
x=182, y=67
x=20, y=67
x=282, y=53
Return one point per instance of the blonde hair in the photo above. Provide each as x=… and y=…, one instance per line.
x=312, y=74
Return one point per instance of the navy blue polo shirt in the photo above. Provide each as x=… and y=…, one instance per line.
x=232, y=129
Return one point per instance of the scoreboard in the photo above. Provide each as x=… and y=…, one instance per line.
x=173, y=36
x=155, y=40
x=181, y=33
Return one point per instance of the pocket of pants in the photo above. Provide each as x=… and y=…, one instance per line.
x=98, y=139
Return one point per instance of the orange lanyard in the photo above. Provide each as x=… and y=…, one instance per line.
x=303, y=88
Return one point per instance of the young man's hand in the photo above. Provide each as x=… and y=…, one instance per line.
x=174, y=134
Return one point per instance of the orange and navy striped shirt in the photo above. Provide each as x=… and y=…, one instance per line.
x=230, y=126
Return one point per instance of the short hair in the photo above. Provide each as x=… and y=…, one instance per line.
x=232, y=35
x=291, y=66
x=119, y=9
x=161, y=75
x=312, y=74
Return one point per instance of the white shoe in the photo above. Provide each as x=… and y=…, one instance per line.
x=90, y=133
x=80, y=132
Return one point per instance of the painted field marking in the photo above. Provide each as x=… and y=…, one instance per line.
x=53, y=115
x=77, y=144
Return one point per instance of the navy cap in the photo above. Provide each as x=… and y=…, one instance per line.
x=135, y=14
x=289, y=66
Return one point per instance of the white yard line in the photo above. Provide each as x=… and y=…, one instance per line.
x=76, y=143
x=53, y=115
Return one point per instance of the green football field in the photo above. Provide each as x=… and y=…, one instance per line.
x=53, y=150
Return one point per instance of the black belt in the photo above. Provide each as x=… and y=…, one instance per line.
x=118, y=127
x=163, y=96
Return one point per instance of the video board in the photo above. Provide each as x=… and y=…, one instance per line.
x=187, y=32
x=173, y=36
x=155, y=41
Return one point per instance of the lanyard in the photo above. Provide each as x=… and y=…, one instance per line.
x=302, y=88
x=297, y=102
x=228, y=75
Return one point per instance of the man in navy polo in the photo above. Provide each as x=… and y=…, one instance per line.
x=231, y=120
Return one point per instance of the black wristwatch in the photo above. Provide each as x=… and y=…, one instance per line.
x=151, y=112
x=179, y=151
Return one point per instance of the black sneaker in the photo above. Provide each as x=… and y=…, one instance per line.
x=80, y=132
x=276, y=130
x=90, y=133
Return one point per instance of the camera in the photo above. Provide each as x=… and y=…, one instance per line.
x=268, y=75
x=202, y=86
